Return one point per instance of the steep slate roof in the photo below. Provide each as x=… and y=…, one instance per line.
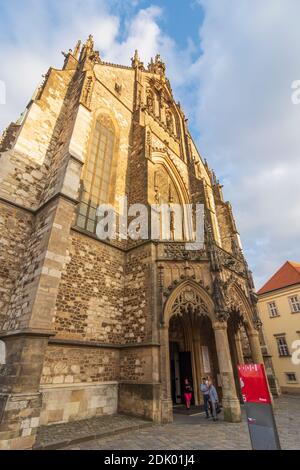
x=287, y=275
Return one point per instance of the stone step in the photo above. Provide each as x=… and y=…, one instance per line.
x=61, y=435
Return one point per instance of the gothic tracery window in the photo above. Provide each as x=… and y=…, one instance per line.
x=97, y=174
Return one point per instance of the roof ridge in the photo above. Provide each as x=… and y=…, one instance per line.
x=295, y=266
x=276, y=272
x=291, y=265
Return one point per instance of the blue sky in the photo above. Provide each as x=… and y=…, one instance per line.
x=231, y=64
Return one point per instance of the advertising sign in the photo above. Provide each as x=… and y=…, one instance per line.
x=258, y=404
x=254, y=383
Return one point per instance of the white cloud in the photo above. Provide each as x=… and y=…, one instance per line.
x=34, y=46
x=238, y=94
x=143, y=33
x=249, y=126
x=31, y=46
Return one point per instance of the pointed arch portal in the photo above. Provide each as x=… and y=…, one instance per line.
x=195, y=344
x=188, y=314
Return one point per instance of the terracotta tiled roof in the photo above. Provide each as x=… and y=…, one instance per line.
x=287, y=275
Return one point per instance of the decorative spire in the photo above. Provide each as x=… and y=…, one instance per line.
x=157, y=66
x=88, y=56
x=77, y=49
x=90, y=43
x=87, y=48
x=213, y=177
x=135, y=61
x=151, y=65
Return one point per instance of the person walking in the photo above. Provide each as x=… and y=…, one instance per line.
x=204, y=387
x=214, y=399
x=187, y=393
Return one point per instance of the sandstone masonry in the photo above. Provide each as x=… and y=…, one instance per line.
x=95, y=327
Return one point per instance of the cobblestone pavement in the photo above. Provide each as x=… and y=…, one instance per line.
x=60, y=435
x=195, y=432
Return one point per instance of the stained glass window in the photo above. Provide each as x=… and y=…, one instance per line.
x=97, y=176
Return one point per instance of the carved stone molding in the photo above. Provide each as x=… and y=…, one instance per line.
x=189, y=301
x=236, y=304
x=257, y=323
x=86, y=94
x=230, y=262
x=177, y=251
x=184, y=277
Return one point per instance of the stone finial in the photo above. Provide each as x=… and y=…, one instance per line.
x=135, y=61
x=213, y=177
x=77, y=49
x=90, y=43
x=151, y=65
x=157, y=66
x=88, y=55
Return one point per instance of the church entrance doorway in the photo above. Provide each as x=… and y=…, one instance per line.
x=192, y=355
x=181, y=368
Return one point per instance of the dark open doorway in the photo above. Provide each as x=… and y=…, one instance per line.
x=181, y=368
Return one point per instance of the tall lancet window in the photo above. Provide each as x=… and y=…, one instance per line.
x=96, y=183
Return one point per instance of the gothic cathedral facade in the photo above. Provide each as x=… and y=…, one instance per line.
x=88, y=326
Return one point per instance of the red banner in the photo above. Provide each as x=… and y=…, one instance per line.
x=254, y=383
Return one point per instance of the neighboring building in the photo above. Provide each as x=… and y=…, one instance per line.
x=93, y=327
x=279, y=307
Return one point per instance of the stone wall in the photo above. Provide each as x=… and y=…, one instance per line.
x=41, y=264
x=22, y=179
x=90, y=296
x=78, y=382
x=38, y=137
x=74, y=402
x=20, y=421
x=15, y=228
x=142, y=400
x=25, y=167
x=138, y=308
x=19, y=310
x=139, y=364
x=58, y=154
x=9, y=136
x=73, y=365
x=109, y=76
